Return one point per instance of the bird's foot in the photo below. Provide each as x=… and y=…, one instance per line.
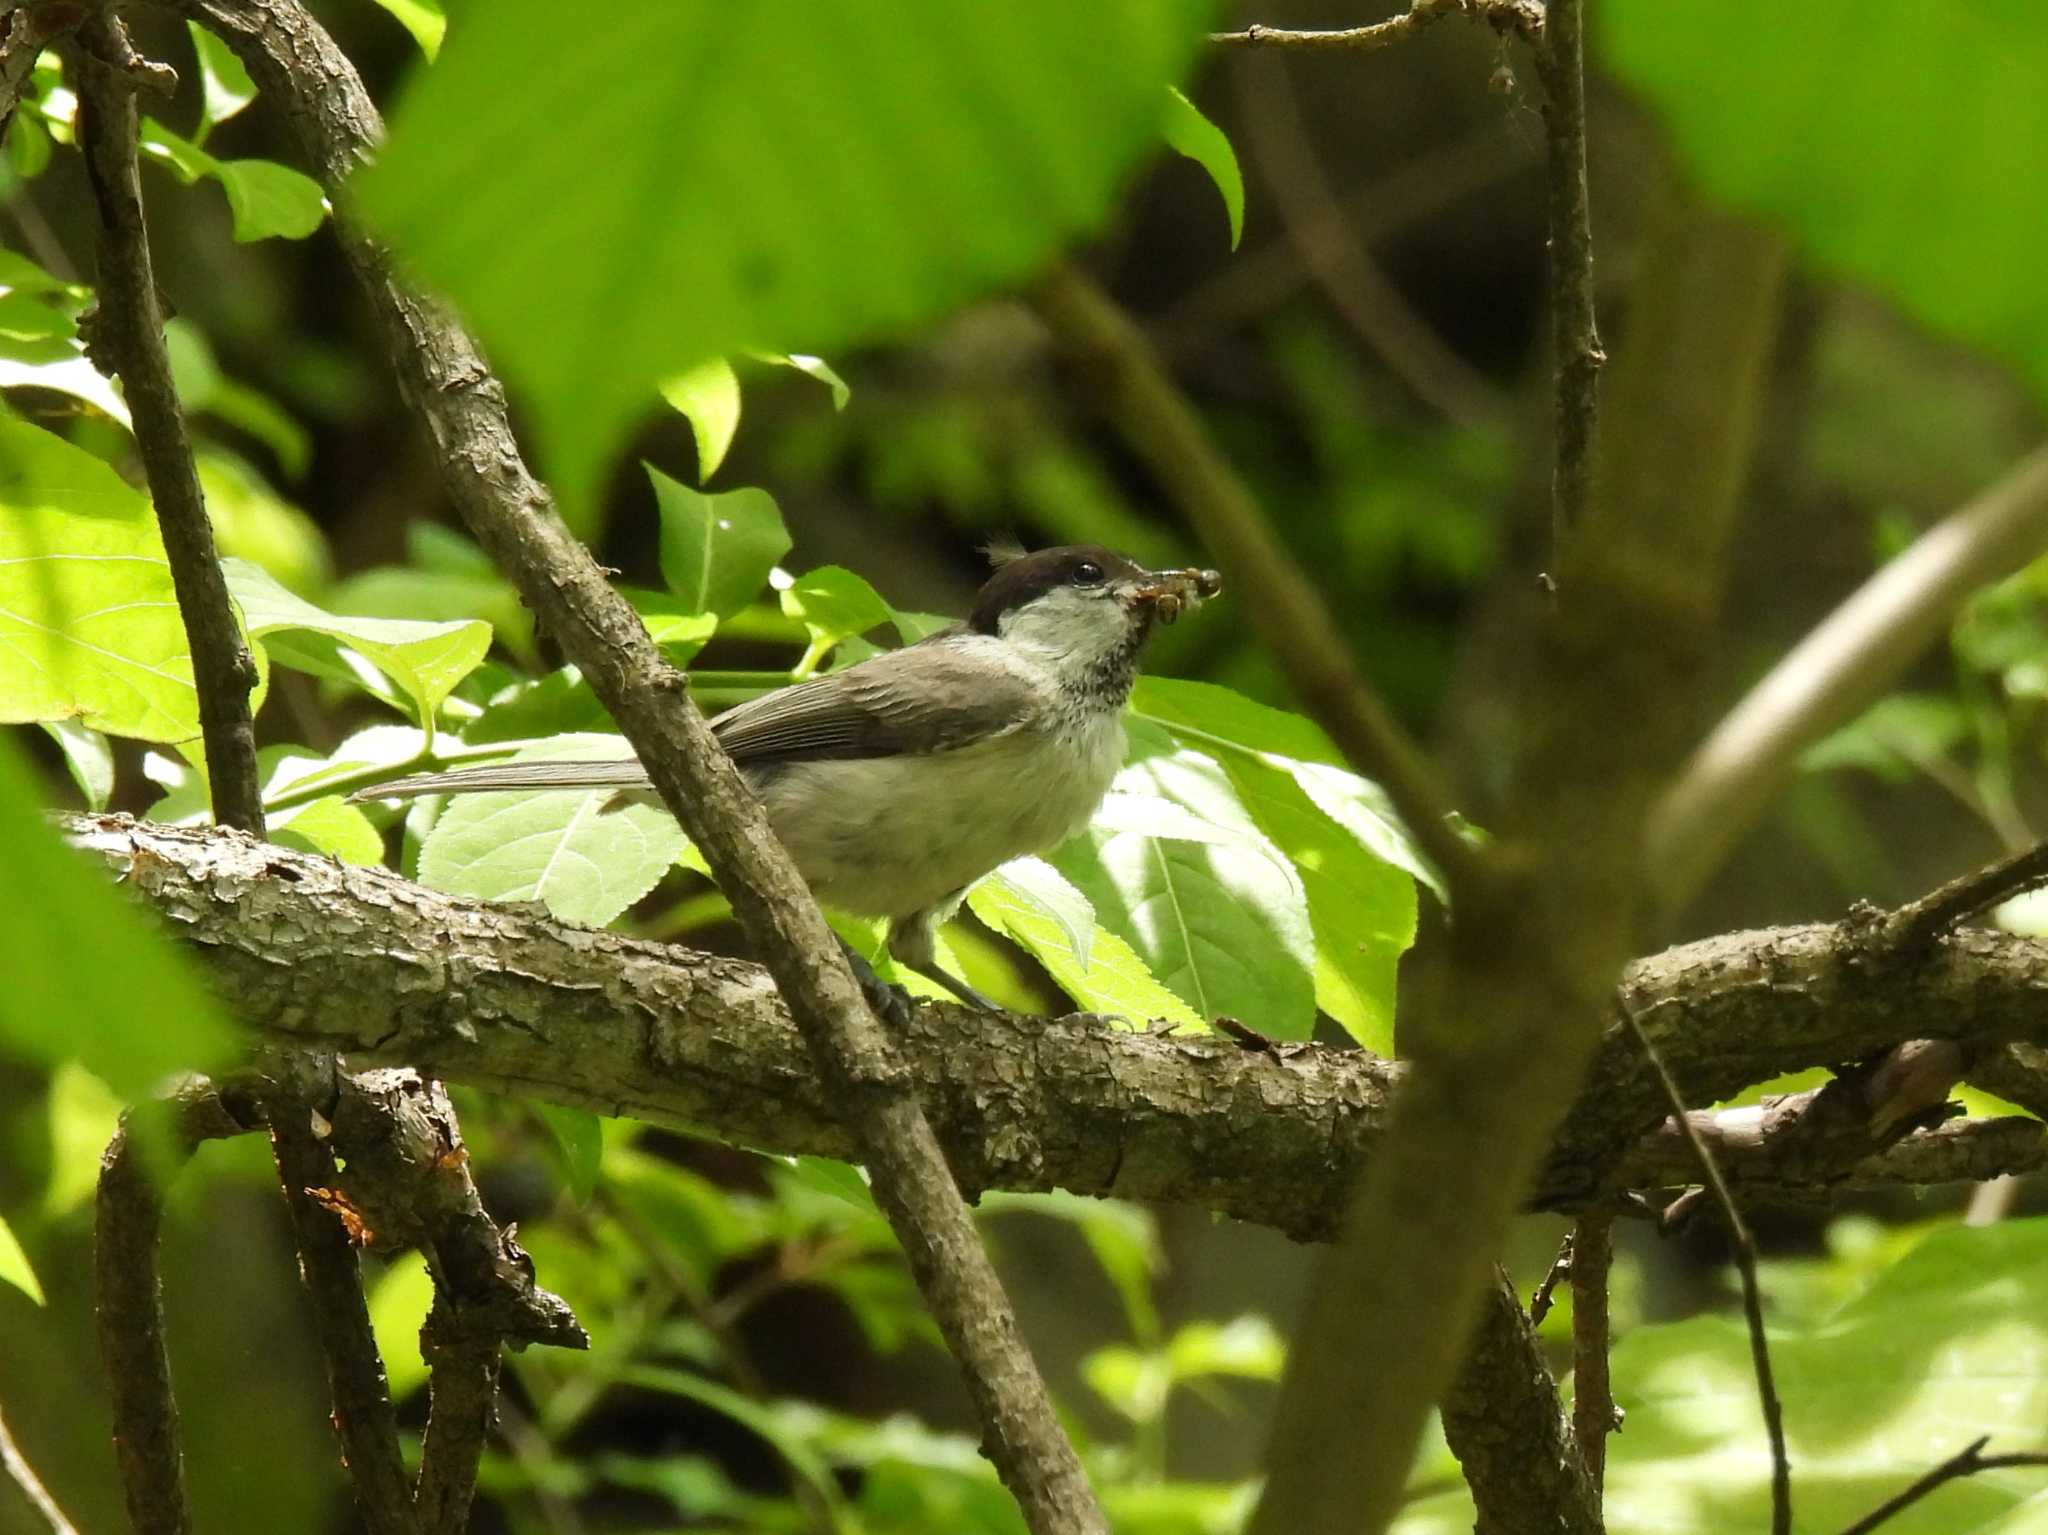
x=891, y=1003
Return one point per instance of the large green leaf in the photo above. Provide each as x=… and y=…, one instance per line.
x=1035, y=906
x=1948, y=1344
x=89, y=977
x=1899, y=143
x=1355, y=862
x=423, y=661
x=89, y=624
x=576, y=852
x=717, y=550
x=1176, y=867
x=787, y=174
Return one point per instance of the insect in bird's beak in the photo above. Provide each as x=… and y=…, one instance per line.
x=1171, y=593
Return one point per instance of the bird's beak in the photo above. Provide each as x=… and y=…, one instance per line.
x=1170, y=593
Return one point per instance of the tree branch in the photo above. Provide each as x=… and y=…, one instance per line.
x=1841, y=667
x=127, y=337
x=1505, y=1424
x=25, y=31
x=1522, y=16
x=322, y=1225
x=128, y=1216
x=1575, y=337
x=18, y=1471
x=446, y=380
x=1965, y=1462
x=1593, y=1411
x=331, y=957
x=1284, y=605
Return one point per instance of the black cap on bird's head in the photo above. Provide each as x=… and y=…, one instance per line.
x=1090, y=569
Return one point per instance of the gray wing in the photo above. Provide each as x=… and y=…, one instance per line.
x=929, y=697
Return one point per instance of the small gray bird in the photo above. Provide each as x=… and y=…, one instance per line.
x=898, y=782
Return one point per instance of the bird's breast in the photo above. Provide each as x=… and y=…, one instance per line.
x=886, y=836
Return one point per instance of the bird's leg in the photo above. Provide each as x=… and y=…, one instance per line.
x=891, y=1002
x=914, y=944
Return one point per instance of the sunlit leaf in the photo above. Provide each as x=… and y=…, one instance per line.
x=84, y=1113
x=15, y=1268
x=717, y=550
x=89, y=623
x=1222, y=920
x=895, y=172
x=266, y=199
x=424, y=19
x=709, y=395
x=1193, y=135
x=423, y=661
x=399, y=1301
x=87, y=757
x=575, y=851
x=224, y=85
x=817, y=368
x=329, y=825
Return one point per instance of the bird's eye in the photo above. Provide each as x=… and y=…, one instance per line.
x=1087, y=573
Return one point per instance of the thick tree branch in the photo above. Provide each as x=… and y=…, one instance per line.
x=1847, y=661
x=1505, y=1424
x=128, y=1216
x=448, y=383
x=127, y=337
x=331, y=957
x=1283, y=604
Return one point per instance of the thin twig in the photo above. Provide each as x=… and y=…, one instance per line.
x=25, y=31
x=128, y=1218
x=1594, y=1415
x=363, y=1417
x=443, y=375
x=1559, y=1273
x=1844, y=663
x=1521, y=16
x=1965, y=1462
x=1282, y=603
x=1922, y=921
x=128, y=338
x=1745, y=1263
x=1575, y=336
x=23, y=1475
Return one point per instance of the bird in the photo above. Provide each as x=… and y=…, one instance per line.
x=898, y=782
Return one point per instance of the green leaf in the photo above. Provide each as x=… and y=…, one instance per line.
x=423, y=661
x=817, y=368
x=252, y=522
x=564, y=848
x=966, y=144
x=834, y=604
x=88, y=618
x=88, y=758
x=1037, y=882
x=224, y=85
x=202, y=386
x=328, y=825
x=579, y=1137
x=14, y=1265
x=28, y=146
x=1192, y=134
x=1898, y=143
x=557, y=704
x=269, y=199
x=424, y=19
x=265, y=198
x=709, y=394
x=90, y=978
x=1102, y=973
x=1224, y=920
x=717, y=550
x=1893, y=738
x=84, y=1113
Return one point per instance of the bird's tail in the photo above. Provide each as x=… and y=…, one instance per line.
x=559, y=774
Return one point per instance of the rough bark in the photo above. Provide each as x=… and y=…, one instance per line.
x=355, y=960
